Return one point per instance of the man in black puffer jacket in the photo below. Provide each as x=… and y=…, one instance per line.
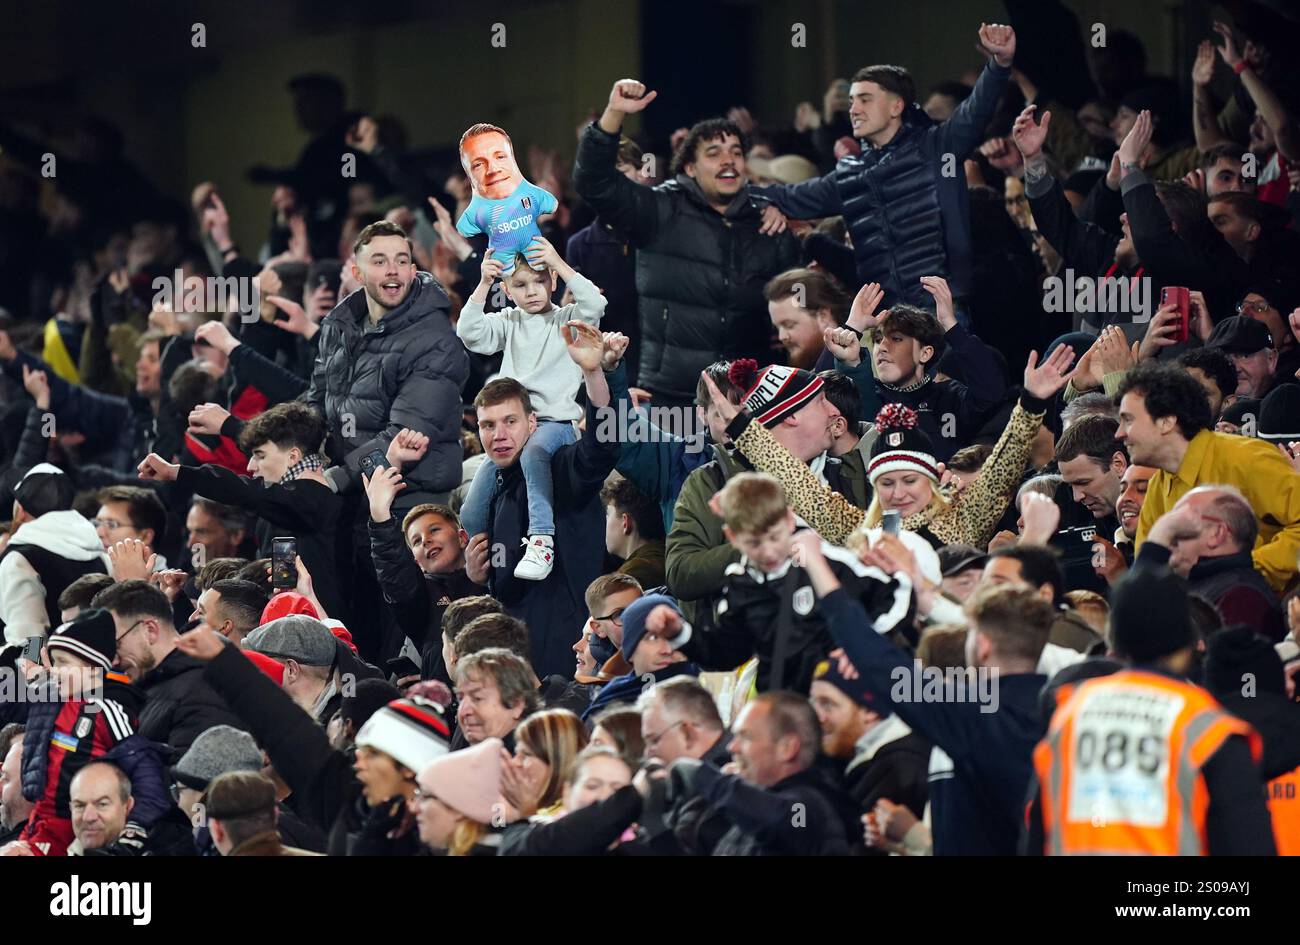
x=704, y=248
x=390, y=359
x=904, y=198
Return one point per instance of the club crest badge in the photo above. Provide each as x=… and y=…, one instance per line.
x=803, y=601
x=894, y=439
x=84, y=726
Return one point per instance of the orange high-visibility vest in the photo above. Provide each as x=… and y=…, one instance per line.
x=1119, y=772
x=1283, y=794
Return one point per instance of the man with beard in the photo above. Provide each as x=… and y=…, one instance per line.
x=180, y=705
x=389, y=359
x=706, y=245
x=803, y=304
x=1118, y=556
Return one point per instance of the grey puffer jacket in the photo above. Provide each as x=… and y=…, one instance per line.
x=407, y=371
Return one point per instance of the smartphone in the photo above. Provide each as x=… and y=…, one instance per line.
x=889, y=521
x=32, y=649
x=373, y=460
x=401, y=666
x=1180, y=296
x=284, y=570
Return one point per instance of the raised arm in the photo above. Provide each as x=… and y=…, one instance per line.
x=632, y=208
x=829, y=513
x=1270, y=106
x=964, y=131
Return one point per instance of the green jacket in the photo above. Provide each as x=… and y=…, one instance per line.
x=697, y=552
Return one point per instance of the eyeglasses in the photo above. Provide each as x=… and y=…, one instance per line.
x=111, y=524
x=614, y=616
x=130, y=628
x=1259, y=308
x=652, y=740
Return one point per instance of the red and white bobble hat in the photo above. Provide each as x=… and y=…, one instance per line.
x=901, y=445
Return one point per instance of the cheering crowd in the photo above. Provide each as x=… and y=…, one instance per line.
x=918, y=478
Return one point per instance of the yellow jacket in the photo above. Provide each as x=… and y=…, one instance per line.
x=1265, y=478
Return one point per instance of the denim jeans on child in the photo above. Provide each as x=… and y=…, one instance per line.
x=536, y=463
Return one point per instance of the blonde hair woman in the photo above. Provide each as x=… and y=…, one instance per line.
x=546, y=746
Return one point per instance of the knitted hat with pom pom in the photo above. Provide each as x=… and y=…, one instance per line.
x=901, y=446
x=775, y=392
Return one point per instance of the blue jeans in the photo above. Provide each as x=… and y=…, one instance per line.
x=536, y=464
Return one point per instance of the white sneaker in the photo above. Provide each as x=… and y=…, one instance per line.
x=538, y=559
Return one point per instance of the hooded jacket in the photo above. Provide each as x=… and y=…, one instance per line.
x=43, y=557
x=699, y=273
x=65, y=735
x=371, y=381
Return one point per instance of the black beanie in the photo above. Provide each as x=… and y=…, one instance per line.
x=901, y=445
x=1149, y=615
x=91, y=636
x=369, y=696
x=1279, y=415
x=1234, y=652
x=1241, y=408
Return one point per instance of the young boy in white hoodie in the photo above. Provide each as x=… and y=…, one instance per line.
x=50, y=546
x=531, y=336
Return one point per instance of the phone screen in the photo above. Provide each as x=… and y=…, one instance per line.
x=284, y=571
x=889, y=521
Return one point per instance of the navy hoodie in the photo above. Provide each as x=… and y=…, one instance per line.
x=977, y=793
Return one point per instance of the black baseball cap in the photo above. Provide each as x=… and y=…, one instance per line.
x=954, y=559
x=1240, y=335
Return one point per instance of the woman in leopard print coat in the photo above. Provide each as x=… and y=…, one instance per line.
x=951, y=517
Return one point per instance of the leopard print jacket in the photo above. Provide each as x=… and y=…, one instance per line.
x=968, y=517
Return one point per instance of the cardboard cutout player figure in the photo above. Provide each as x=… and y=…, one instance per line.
x=504, y=206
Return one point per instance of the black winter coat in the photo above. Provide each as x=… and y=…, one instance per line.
x=325, y=789
x=180, y=704
x=699, y=273
x=803, y=815
x=416, y=600
x=371, y=381
x=776, y=619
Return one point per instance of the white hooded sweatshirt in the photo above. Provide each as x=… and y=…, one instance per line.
x=67, y=534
